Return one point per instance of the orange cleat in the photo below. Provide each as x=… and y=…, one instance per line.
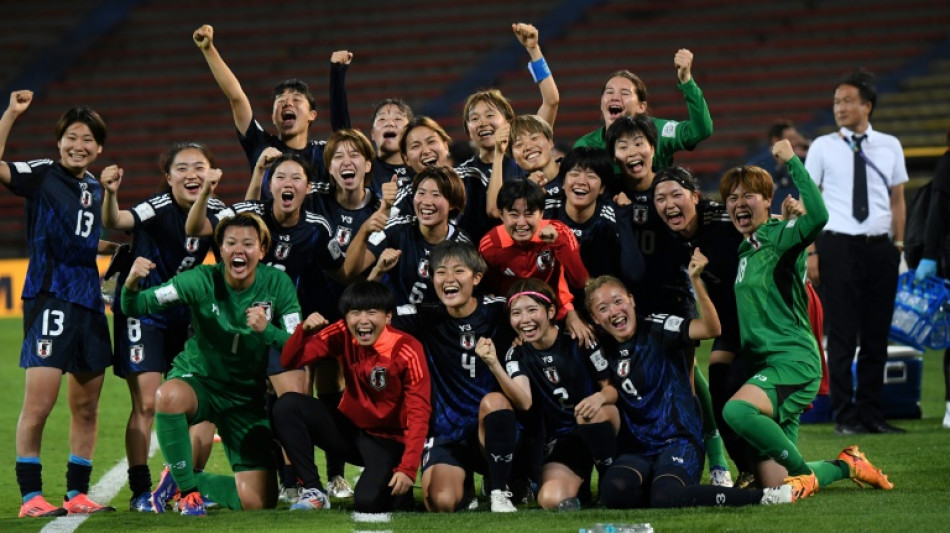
x=81, y=504
x=37, y=507
x=863, y=473
x=803, y=486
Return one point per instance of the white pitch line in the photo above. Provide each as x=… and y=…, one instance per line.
x=108, y=486
x=373, y=518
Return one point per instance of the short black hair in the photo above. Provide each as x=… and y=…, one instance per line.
x=296, y=158
x=863, y=81
x=515, y=190
x=295, y=85
x=777, y=129
x=85, y=115
x=679, y=175
x=588, y=158
x=365, y=295
x=465, y=252
x=629, y=127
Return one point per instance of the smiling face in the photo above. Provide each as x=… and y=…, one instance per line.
x=850, y=111
x=241, y=251
x=532, y=150
x=454, y=284
x=520, y=223
x=613, y=309
x=634, y=154
x=349, y=167
x=532, y=321
x=388, y=125
x=483, y=120
x=748, y=210
x=288, y=185
x=186, y=174
x=620, y=99
x=292, y=114
x=676, y=205
x=366, y=325
x=431, y=206
x=78, y=148
x=582, y=187
x=424, y=148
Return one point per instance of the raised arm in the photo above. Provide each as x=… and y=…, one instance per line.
x=497, y=177
x=517, y=389
x=19, y=101
x=550, y=98
x=339, y=107
x=227, y=81
x=808, y=226
x=266, y=159
x=112, y=216
x=358, y=256
x=699, y=126
x=707, y=326
x=197, y=223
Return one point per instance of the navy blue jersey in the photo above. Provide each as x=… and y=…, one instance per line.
x=459, y=377
x=411, y=278
x=383, y=173
x=511, y=169
x=664, y=287
x=473, y=220
x=159, y=235
x=608, y=246
x=560, y=376
x=255, y=140
x=300, y=251
x=651, y=375
x=63, y=222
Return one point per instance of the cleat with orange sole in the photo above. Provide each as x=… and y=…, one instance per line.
x=863, y=473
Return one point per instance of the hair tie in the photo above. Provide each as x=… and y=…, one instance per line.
x=528, y=293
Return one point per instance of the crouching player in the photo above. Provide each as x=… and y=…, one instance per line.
x=384, y=414
x=660, y=447
x=473, y=426
x=239, y=309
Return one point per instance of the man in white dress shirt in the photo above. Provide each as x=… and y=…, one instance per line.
x=861, y=173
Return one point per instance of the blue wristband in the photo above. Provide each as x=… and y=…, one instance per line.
x=539, y=70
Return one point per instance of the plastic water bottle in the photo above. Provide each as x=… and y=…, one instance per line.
x=618, y=528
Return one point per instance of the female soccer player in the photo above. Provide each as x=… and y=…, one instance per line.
x=64, y=324
x=777, y=345
x=466, y=434
x=660, y=445
x=240, y=311
x=145, y=347
x=384, y=415
x=551, y=372
x=438, y=195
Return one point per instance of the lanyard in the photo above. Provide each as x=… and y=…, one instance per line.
x=857, y=149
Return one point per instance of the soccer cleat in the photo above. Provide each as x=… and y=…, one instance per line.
x=501, y=502
x=803, y=486
x=746, y=480
x=164, y=491
x=720, y=477
x=473, y=504
x=38, y=507
x=863, y=473
x=192, y=504
x=339, y=488
x=81, y=504
x=142, y=503
x=289, y=494
x=311, y=499
x=777, y=495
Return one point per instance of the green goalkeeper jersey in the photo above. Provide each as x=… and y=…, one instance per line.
x=672, y=136
x=223, y=347
x=770, y=290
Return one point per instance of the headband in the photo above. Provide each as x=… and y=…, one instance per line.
x=528, y=293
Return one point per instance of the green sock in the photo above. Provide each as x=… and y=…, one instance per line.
x=828, y=472
x=173, y=439
x=765, y=435
x=715, y=450
x=219, y=489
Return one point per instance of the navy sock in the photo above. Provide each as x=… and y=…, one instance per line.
x=601, y=441
x=501, y=437
x=29, y=475
x=78, y=471
x=140, y=480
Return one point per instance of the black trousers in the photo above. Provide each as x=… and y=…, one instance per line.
x=302, y=422
x=858, y=284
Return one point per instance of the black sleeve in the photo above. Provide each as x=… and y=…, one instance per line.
x=339, y=108
x=632, y=264
x=938, y=216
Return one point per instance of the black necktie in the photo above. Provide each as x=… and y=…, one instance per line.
x=859, y=201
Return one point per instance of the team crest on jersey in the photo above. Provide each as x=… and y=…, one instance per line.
x=623, y=368
x=640, y=213
x=268, y=309
x=545, y=260
x=192, y=243
x=423, y=269
x=377, y=378
x=44, y=347
x=467, y=340
x=85, y=198
x=550, y=372
x=282, y=251
x=343, y=235
x=137, y=353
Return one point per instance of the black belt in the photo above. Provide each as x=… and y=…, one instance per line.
x=869, y=239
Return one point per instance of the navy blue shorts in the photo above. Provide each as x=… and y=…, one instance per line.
x=679, y=458
x=465, y=454
x=571, y=452
x=144, y=347
x=64, y=335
